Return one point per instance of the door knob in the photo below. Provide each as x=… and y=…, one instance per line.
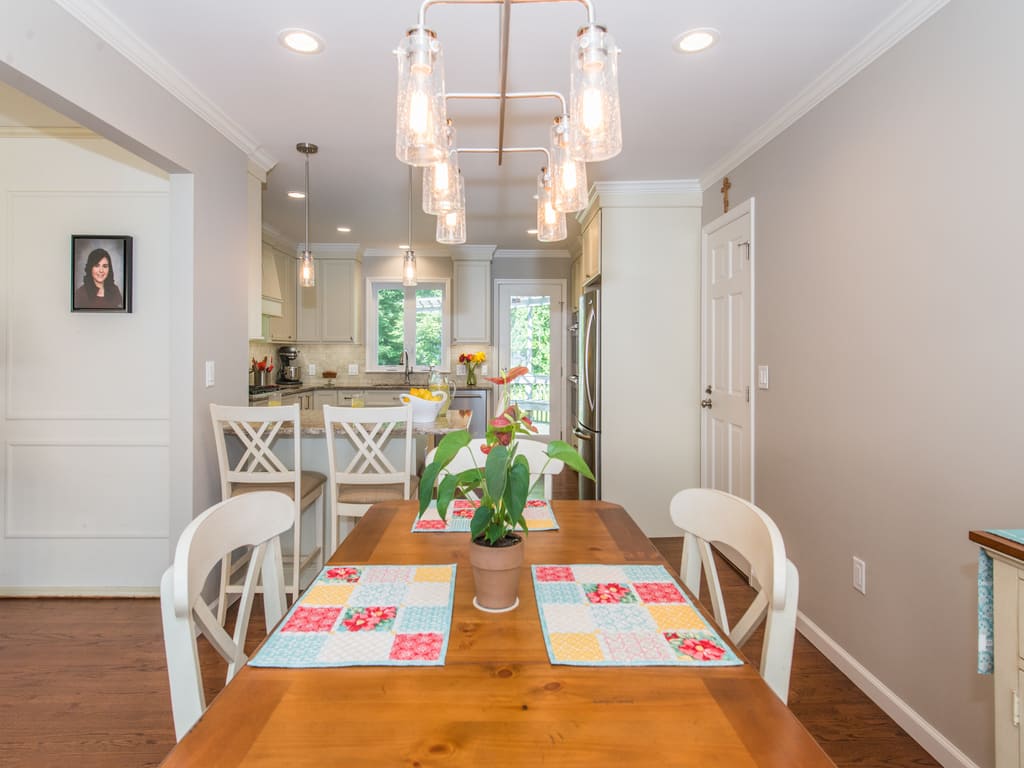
x=705, y=403
x=707, y=390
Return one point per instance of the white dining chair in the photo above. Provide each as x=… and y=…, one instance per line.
x=252, y=520
x=370, y=459
x=535, y=452
x=250, y=464
x=710, y=517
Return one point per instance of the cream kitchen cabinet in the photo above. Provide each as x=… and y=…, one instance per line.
x=329, y=310
x=303, y=399
x=471, y=320
x=283, y=328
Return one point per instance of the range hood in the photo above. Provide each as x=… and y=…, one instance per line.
x=273, y=304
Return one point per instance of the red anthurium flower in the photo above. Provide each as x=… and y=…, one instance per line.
x=512, y=375
x=504, y=437
x=500, y=421
x=485, y=448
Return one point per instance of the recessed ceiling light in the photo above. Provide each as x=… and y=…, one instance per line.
x=296, y=195
x=531, y=231
x=300, y=40
x=695, y=40
x=344, y=229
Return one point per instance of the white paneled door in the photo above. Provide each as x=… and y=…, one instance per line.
x=531, y=332
x=727, y=397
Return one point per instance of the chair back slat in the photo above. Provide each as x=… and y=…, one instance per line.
x=256, y=430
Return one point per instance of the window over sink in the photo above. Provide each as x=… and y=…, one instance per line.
x=414, y=319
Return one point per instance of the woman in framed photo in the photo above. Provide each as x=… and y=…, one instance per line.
x=98, y=290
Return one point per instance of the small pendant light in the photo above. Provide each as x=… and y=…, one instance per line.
x=409, y=262
x=568, y=173
x=550, y=223
x=307, y=268
x=440, y=181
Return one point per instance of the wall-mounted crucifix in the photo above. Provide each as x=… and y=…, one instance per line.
x=726, y=186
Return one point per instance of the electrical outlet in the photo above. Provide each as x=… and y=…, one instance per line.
x=311, y=369
x=860, y=576
x=353, y=369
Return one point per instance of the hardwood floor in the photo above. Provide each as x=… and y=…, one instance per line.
x=83, y=682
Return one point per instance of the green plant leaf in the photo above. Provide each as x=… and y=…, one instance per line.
x=517, y=490
x=427, y=485
x=562, y=451
x=445, y=494
x=481, y=519
x=450, y=445
x=470, y=479
x=495, y=531
x=495, y=471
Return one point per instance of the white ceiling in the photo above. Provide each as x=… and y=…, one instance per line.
x=683, y=116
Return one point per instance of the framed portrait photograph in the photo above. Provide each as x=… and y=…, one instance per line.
x=101, y=273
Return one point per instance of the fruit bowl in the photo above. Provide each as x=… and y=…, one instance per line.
x=424, y=410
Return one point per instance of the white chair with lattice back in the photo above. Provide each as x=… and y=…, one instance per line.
x=370, y=458
x=534, y=450
x=253, y=520
x=714, y=517
x=250, y=463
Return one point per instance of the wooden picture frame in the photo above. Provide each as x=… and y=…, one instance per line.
x=89, y=254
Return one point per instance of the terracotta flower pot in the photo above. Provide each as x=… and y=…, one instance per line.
x=496, y=575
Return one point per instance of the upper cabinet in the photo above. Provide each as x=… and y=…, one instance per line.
x=471, y=320
x=254, y=249
x=590, y=261
x=282, y=327
x=330, y=310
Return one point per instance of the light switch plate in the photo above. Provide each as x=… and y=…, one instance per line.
x=211, y=373
x=460, y=370
x=762, y=377
x=353, y=369
x=311, y=369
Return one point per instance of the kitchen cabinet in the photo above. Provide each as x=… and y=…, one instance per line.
x=575, y=284
x=590, y=261
x=283, y=328
x=471, y=320
x=330, y=310
x=303, y=399
x=324, y=397
x=254, y=248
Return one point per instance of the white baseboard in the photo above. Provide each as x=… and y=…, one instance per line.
x=919, y=729
x=79, y=591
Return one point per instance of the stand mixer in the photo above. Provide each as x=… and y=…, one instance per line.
x=288, y=371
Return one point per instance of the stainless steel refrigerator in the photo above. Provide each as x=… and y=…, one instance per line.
x=588, y=408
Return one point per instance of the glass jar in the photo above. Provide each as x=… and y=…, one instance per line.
x=438, y=382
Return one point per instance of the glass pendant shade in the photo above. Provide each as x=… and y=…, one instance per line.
x=595, y=122
x=422, y=117
x=441, y=183
x=550, y=223
x=568, y=174
x=307, y=270
x=451, y=228
x=409, y=268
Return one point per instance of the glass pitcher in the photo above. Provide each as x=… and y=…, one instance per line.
x=439, y=382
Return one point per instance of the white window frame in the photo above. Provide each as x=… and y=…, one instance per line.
x=373, y=285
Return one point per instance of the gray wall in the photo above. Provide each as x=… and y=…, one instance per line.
x=890, y=315
x=56, y=60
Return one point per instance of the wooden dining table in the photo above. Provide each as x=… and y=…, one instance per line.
x=498, y=700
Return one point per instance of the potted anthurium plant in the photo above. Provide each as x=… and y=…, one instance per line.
x=500, y=477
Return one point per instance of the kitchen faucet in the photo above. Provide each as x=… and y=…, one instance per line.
x=406, y=365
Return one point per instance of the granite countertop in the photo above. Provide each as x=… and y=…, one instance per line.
x=311, y=424
x=297, y=389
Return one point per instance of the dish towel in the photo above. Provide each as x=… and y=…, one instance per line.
x=366, y=615
x=537, y=513
x=623, y=616
x=986, y=663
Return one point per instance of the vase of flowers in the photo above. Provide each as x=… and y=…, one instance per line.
x=501, y=479
x=471, y=361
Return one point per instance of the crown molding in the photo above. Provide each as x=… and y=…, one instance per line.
x=898, y=25
x=277, y=238
x=46, y=132
x=508, y=253
x=679, y=193
x=473, y=252
x=114, y=33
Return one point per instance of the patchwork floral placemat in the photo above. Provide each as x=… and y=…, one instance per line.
x=366, y=615
x=623, y=615
x=537, y=513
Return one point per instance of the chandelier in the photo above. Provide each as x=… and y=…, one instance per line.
x=588, y=128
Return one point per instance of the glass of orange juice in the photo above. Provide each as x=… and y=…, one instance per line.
x=358, y=400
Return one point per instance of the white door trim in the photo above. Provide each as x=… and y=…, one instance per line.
x=737, y=212
x=557, y=430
